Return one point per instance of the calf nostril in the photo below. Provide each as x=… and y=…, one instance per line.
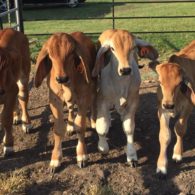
x=62, y=79
x=125, y=71
x=2, y=92
x=168, y=106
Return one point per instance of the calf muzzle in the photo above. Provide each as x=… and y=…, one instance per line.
x=62, y=79
x=125, y=71
x=168, y=106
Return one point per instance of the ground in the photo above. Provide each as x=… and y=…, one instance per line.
x=27, y=172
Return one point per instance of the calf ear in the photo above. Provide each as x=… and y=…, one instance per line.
x=84, y=66
x=145, y=50
x=43, y=66
x=101, y=59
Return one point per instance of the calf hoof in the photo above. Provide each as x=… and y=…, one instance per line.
x=69, y=130
x=161, y=176
x=103, y=146
x=54, y=166
x=177, y=158
x=82, y=164
x=54, y=170
x=82, y=160
x=8, y=151
x=26, y=128
x=133, y=163
x=16, y=121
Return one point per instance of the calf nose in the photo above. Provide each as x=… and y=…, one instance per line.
x=62, y=79
x=125, y=71
x=2, y=92
x=168, y=106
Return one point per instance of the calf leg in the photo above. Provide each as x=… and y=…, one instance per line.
x=23, y=96
x=7, y=121
x=102, y=127
x=164, y=139
x=70, y=123
x=180, y=129
x=56, y=106
x=80, y=125
x=128, y=127
x=16, y=119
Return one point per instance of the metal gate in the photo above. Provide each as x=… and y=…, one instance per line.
x=11, y=15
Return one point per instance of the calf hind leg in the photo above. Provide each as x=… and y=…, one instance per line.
x=80, y=125
x=180, y=129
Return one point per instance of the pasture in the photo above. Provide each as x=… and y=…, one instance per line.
x=27, y=172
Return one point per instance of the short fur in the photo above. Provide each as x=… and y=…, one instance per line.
x=71, y=56
x=175, y=97
x=118, y=51
x=14, y=69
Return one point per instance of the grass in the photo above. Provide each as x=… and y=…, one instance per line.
x=165, y=43
x=13, y=183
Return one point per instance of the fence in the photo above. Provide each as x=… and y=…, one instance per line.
x=17, y=9
x=113, y=17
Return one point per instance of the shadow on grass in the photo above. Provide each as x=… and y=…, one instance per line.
x=89, y=10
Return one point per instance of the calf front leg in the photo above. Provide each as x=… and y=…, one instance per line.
x=164, y=139
x=70, y=122
x=102, y=127
x=80, y=125
x=56, y=106
x=180, y=129
x=23, y=97
x=128, y=127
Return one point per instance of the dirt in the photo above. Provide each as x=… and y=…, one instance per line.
x=109, y=173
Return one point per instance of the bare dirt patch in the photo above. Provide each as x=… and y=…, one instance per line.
x=108, y=174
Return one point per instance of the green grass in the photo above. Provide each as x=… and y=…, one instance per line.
x=166, y=43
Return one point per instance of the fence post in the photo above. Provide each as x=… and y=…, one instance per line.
x=19, y=16
x=113, y=16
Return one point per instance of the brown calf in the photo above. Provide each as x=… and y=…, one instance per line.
x=14, y=74
x=67, y=60
x=175, y=96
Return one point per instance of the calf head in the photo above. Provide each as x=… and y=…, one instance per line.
x=62, y=55
x=121, y=46
x=173, y=80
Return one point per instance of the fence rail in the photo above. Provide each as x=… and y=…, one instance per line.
x=19, y=19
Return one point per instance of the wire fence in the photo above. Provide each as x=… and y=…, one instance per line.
x=113, y=4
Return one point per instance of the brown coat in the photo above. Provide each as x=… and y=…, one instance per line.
x=14, y=77
x=67, y=60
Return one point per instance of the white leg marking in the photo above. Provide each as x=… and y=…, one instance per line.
x=102, y=126
x=82, y=158
x=55, y=163
x=128, y=126
x=26, y=127
x=103, y=146
x=161, y=170
x=69, y=128
x=7, y=150
x=177, y=157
